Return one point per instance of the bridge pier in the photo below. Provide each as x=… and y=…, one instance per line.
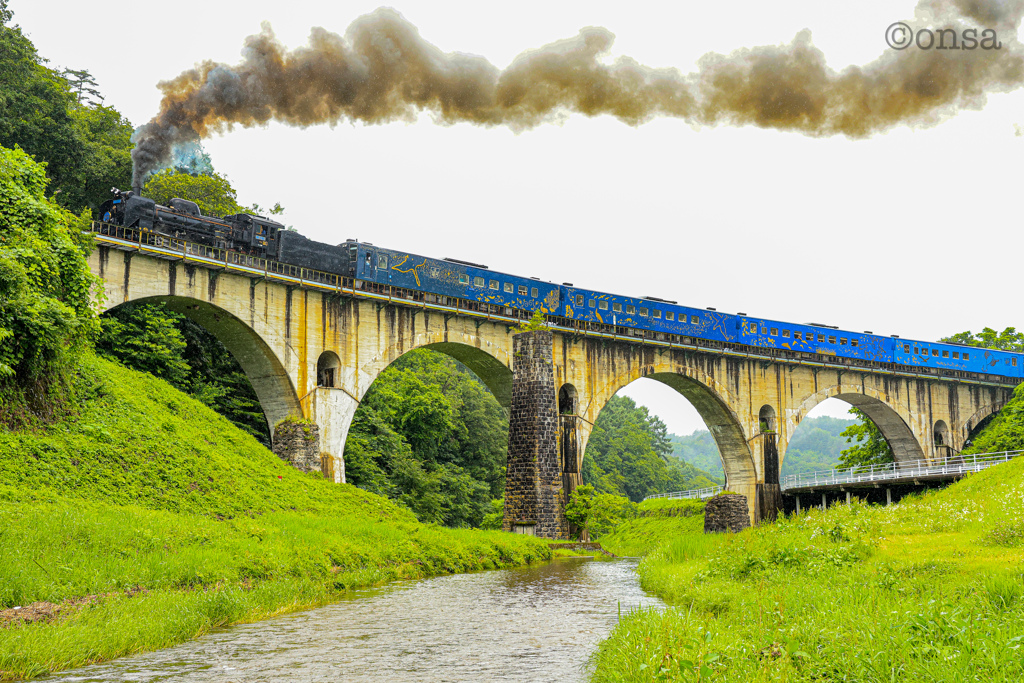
x=332, y=410
x=534, y=496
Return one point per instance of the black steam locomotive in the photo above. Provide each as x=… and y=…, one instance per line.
x=240, y=232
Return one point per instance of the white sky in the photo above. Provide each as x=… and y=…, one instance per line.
x=913, y=232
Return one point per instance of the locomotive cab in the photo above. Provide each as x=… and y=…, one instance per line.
x=257, y=233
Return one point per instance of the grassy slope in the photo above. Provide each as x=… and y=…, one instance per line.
x=150, y=489
x=661, y=519
x=929, y=589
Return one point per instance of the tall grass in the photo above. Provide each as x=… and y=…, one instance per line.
x=171, y=521
x=931, y=589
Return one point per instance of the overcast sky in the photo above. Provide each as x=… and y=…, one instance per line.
x=913, y=232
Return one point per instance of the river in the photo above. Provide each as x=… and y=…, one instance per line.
x=527, y=624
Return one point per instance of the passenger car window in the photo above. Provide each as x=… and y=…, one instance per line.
x=494, y=284
x=617, y=308
x=579, y=299
x=478, y=282
x=533, y=292
x=510, y=288
x=382, y=261
x=522, y=290
x=603, y=305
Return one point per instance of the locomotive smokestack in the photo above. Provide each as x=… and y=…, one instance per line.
x=382, y=70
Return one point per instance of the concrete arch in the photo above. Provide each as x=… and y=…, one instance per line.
x=268, y=377
x=713, y=402
x=888, y=417
x=964, y=431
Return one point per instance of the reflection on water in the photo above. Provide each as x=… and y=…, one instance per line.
x=526, y=624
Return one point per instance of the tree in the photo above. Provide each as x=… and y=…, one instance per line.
x=213, y=193
x=151, y=338
x=597, y=513
x=1007, y=340
x=538, y=321
x=628, y=454
x=145, y=337
x=867, y=445
x=86, y=148
x=84, y=86
x=46, y=314
x=430, y=435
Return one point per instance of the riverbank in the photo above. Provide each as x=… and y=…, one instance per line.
x=146, y=519
x=929, y=589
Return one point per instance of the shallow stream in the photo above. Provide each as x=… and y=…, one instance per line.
x=527, y=624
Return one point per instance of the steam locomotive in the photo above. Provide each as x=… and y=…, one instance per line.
x=646, y=317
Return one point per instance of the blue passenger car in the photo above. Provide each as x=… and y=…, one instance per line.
x=474, y=282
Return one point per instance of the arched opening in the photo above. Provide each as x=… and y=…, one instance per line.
x=430, y=433
x=878, y=434
x=768, y=429
x=941, y=440
x=568, y=418
x=817, y=442
x=704, y=439
x=328, y=369
x=494, y=374
x=230, y=360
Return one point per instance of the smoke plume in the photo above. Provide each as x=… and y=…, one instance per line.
x=381, y=70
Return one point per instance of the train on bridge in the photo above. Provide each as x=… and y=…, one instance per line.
x=444, y=281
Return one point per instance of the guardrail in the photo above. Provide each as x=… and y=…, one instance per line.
x=893, y=471
x=914, y=469
x=698, y=494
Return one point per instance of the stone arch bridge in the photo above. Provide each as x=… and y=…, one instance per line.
x=312, y=349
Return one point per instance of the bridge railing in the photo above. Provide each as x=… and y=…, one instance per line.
x=698, y=494
x=269, y=267
x=960, y=464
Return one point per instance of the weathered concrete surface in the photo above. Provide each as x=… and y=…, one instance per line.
x=279, y=333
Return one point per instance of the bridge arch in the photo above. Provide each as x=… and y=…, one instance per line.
x=972, y=424
x=712, y=401
x=888, y=417
x=269, y=378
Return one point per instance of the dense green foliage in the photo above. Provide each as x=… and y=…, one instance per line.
x=151, y=338
x=430, y=435
x=1005, y=432
x=597, y=513
x=816, y=445
x=659, y=519
x=175, y=522
x=628, y=454
x=210, y=190
x=867, y=445
x=928, y=589
x=45, y=310
x=700, y=450
x=1007, y=340
x=86, y=147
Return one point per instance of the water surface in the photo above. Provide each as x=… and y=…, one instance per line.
x=525, y=624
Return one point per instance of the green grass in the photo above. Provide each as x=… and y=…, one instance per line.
x=176, y=522
x=931, y=589
x=684, y=507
